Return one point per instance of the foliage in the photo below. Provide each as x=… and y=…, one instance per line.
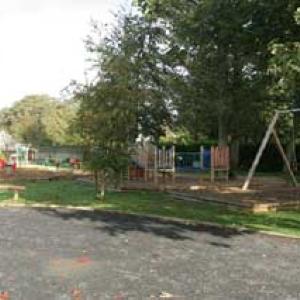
x=130, y=60
x=180, y=136
x=285, y=67
x=104, y=124
x=40, y=120
x=207, y=69
x=125, y=99
x=222, y=50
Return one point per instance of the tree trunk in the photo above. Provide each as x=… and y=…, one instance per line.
x=234, y=154
x=222, y=135
x=102, y=195
x=234, y=157
x=291, y=154
x=96, y=179
x=102, y=185
x=99, y=177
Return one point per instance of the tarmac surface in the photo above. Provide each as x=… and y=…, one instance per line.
x=70, y=255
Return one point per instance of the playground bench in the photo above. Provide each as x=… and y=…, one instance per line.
x=15, y=188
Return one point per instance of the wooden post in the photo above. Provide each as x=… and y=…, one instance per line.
x=174, y=164
x=146, y=162
x=159, y=158
x=212, y=164
x=284, y=157
x=16, y=195
x=164, y=157
x=155, y=164
x=260, y=151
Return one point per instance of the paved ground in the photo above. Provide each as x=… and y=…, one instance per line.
x=46, y=254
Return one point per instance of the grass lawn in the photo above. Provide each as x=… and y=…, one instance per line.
x=158, y=204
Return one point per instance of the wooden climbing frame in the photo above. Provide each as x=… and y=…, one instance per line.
x=150, y=162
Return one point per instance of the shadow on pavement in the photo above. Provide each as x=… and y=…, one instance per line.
x=116, y=223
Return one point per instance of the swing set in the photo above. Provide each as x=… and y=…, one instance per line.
x=271, y=131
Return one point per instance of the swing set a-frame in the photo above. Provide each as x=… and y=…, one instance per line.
x=272, y=131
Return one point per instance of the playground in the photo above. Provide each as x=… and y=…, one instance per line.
x=249, y=192
x=155, y=169
x=202, y=176
x=159, y=172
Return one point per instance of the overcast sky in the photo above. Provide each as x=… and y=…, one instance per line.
x=41, y=47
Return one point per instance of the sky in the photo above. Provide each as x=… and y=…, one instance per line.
x=41, y=44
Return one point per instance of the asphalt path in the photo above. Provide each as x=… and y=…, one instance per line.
x=71, y=255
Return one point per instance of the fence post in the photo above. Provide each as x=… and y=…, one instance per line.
x=201, y=157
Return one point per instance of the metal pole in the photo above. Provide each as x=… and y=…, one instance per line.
x=260, y=151
x=212, y=164
x=201, y=158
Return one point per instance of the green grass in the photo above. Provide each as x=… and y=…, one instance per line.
x=158, y=204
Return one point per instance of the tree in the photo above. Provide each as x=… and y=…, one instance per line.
x=106, y=125
x=40, y=120
x=132, y=56
x=284, y=68
x=127, y=98
x=222, y=50
x=200, y=66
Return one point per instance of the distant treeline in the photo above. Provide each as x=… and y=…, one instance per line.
x=40, y=120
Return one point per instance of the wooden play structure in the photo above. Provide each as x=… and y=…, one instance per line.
x=150, y=162
x=220, y=162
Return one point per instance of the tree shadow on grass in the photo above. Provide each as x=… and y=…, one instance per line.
x=115, y=224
